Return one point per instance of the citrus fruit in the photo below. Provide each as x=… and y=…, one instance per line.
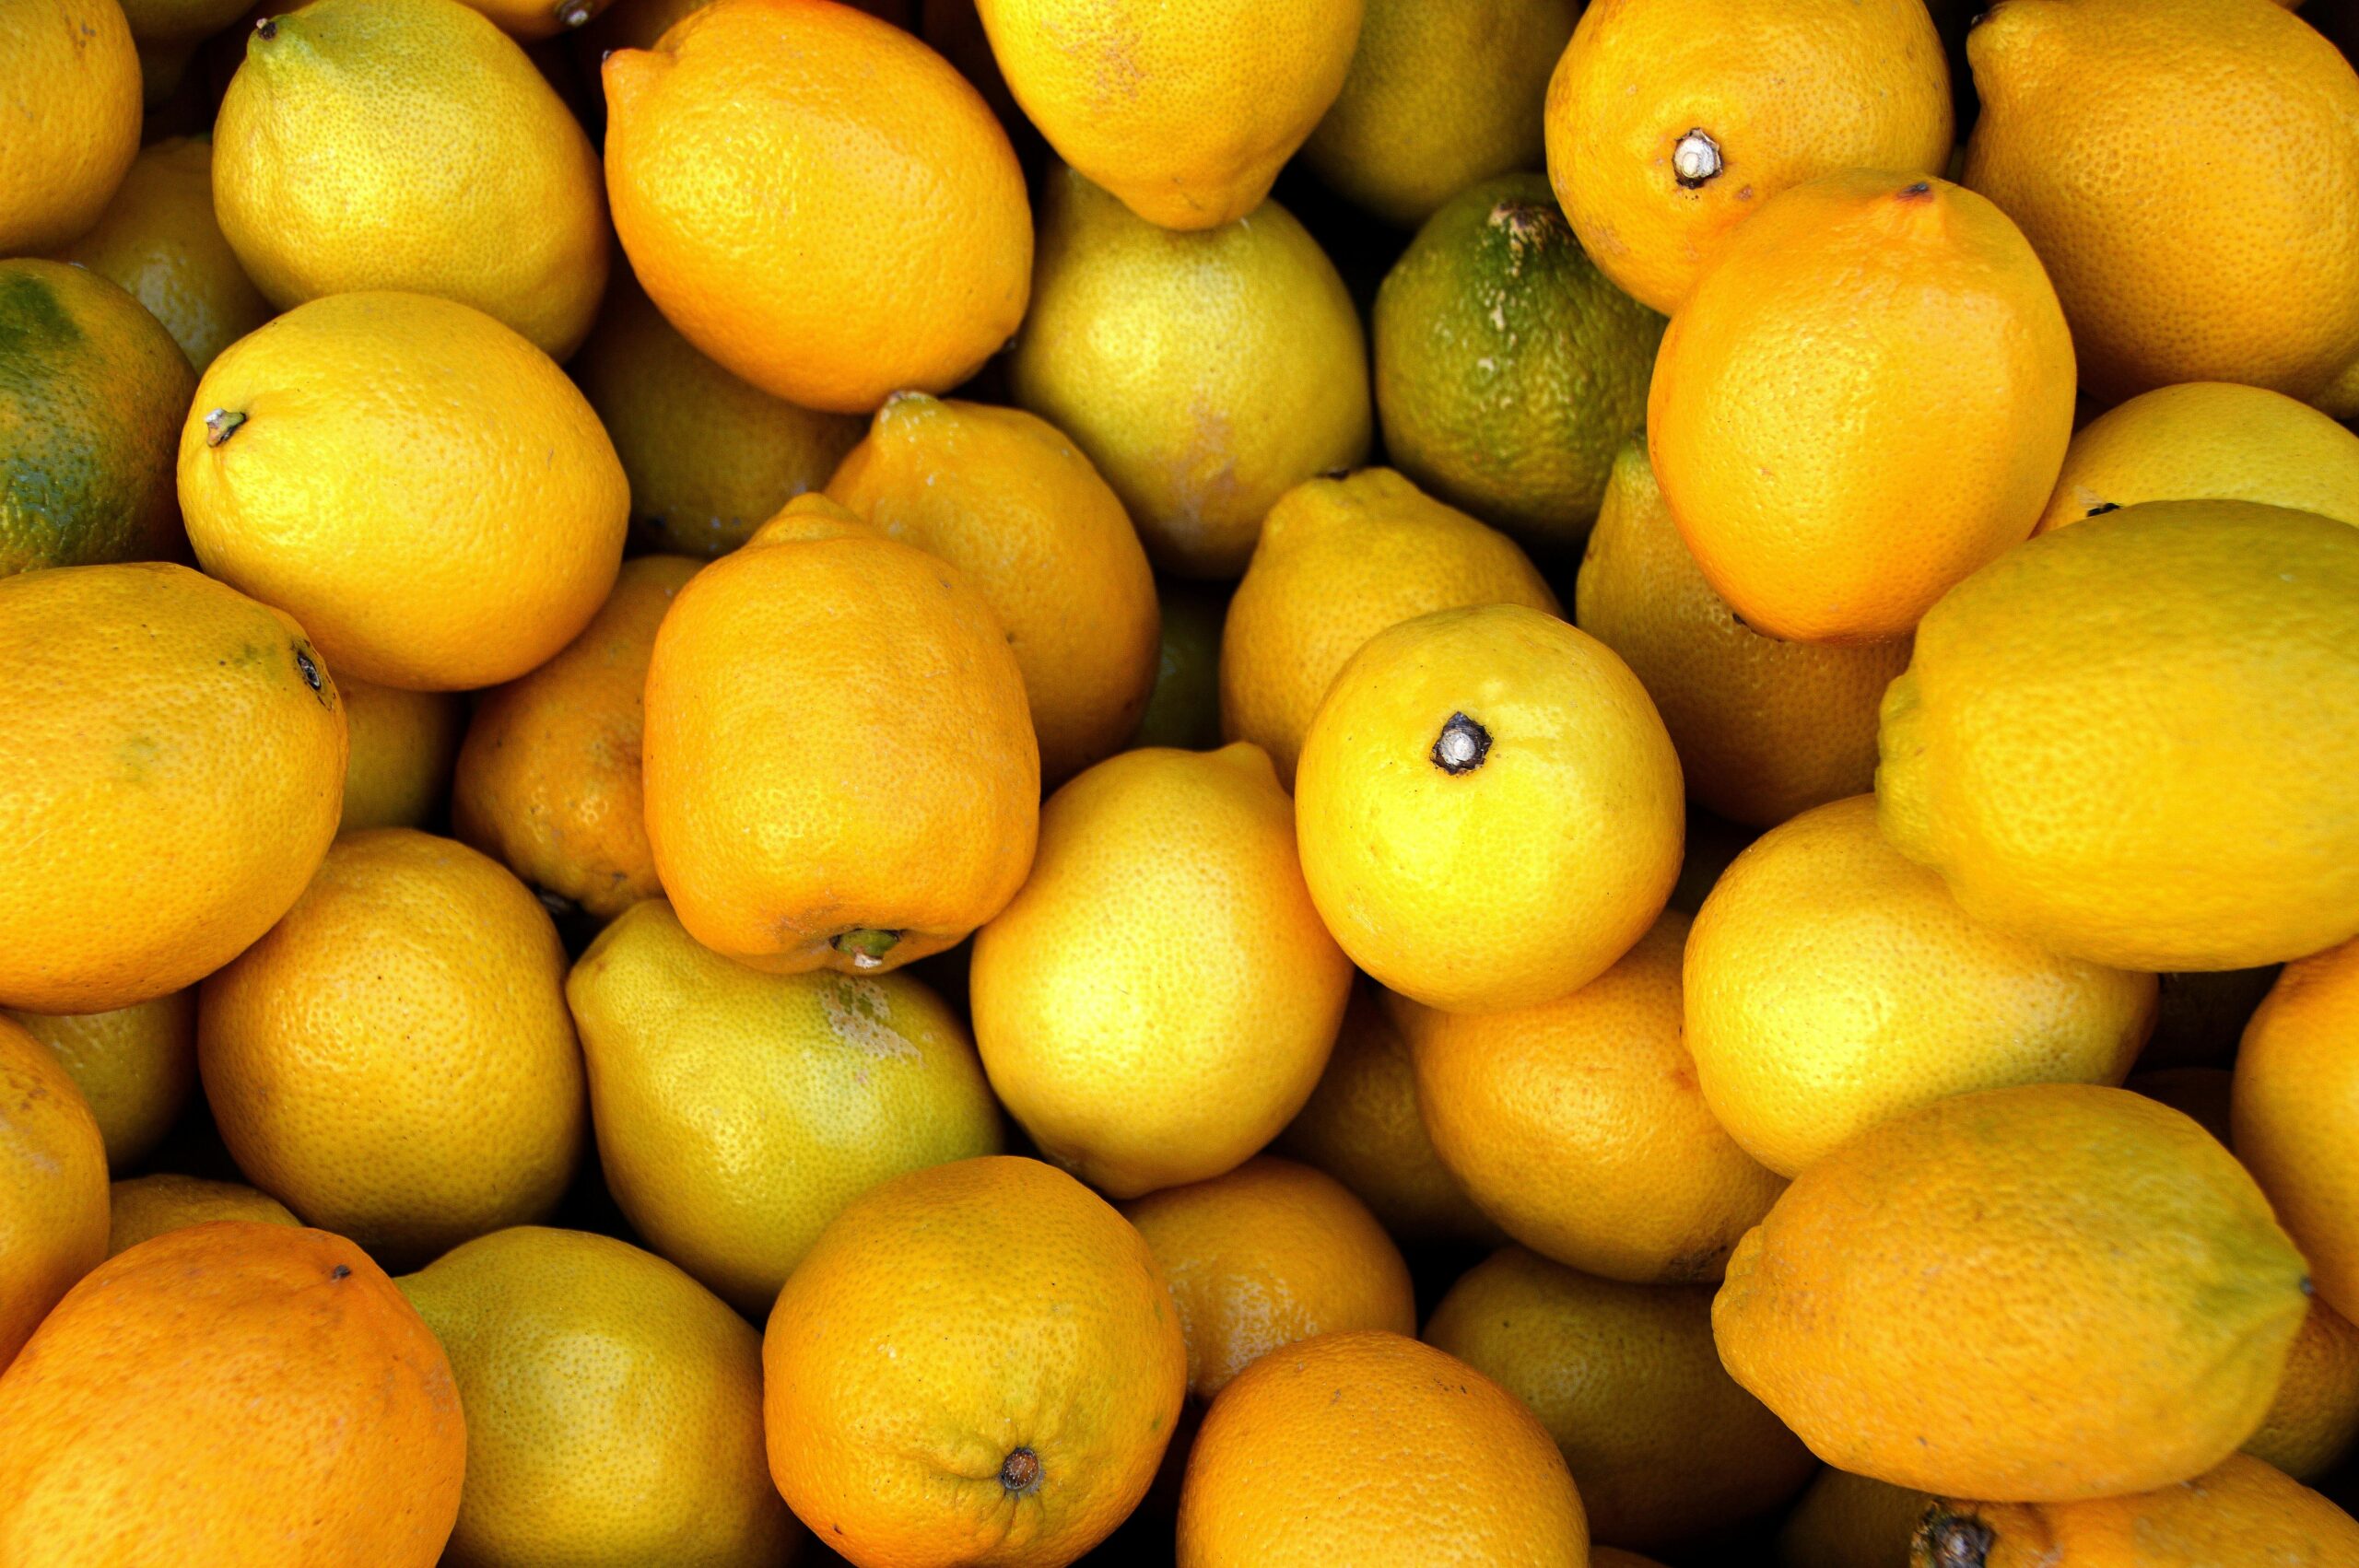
x=1848, y=1521
x=2241, y=1512
x=710, y=458
x=976, y=1363
x=2155, y=655
x=1187, y=113
x=817, y=201
x=1361, y=1126
x=1664, y=1443
x=2051, y=1292
x=1833, y=984
x=1412, y=1455
x=459, y=172
x=1271, y=1253
x=2296, y=1100
x=739, y=1112
x=145, y=1207
x=1204, y=374
x=1866, y=398
x=1488, y=808
x=53, y=1186
x=614, y=1407
x=2315, y=1423
x=1183, y=707
x=1157, y=1002
x=134, y=1066
x=2341, y=397
x=547, y=778
x=1507, y=368
x=869, y=684
x=234, y=1392
x=403, y=747
x=1002, y=496
x=417, y=485
x=91, y=405
x=1670, y=124
x=176, y=758
x=394, y=1061
x=1764, y=729
x=158, y=240
x=70, y=74
x=1338, y=561
x=2188, y=173
x=2208, y=441
x=1576, y=1124
x=1439, y=96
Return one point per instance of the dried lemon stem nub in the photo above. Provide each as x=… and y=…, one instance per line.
x=267, y=28
x=868, y=947
x=573, y=13
x=1953, y=1540
x=1696, y=159
x=1461, y=745
x=220, y=425
x=1020, y=1472
x=341, y=1271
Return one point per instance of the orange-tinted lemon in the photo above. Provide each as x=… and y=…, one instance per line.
x=1764, y=729
x=1270, y=1253
x=2297, y=1104
x=1576, y=1124
x=1671, y=123
x=1410, y=1455
x=1003, y=496
x=395, y=1059
x=134, y=1065
x=149, y=1206
x=404, y=744
x=839, y=761
x=2051, y=1291
x=817, y=200
x=176, y=756
x=978, y=1363
x=2241, y=1512
x=231, y=1393
x=1867, y=397
x=70, y=74
x=549, y=776
x=53, y=1186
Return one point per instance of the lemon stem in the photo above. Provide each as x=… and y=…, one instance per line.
x=868, y=947
x=1696, y=161
x=220, y=425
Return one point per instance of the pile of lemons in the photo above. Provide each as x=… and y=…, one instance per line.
x=773, y=785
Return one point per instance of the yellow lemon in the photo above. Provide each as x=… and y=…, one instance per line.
x=1204, y=374
x=70, y=75
x=1159, y=1000
x=175, y=755
x=2124, y=740
x=134, y=1065
x=1441, y=93
x=421, y=487
x=1338, y=561
x=403, y=745
x=1183, y=111
x=614, y=1408
x=1489, y=808
x=1002, y=496
x=739, y=1112
x=145, y=1207
x=1833, y=983
x=2208, y=441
